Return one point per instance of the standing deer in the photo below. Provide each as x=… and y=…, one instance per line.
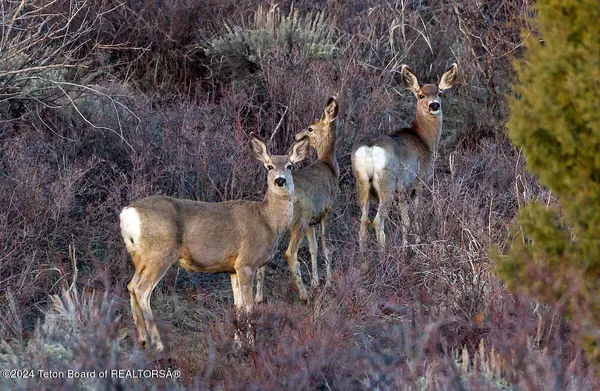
x=234, y=237
x=386, y=164
x=316, y=191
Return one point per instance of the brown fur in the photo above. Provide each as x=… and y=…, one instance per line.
x=234, y=237
x=317, y=189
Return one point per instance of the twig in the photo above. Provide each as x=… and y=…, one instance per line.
x=279, y=124
x=40, y=68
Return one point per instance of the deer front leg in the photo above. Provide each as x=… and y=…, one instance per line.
x=417, y=226
x=325, y=224
x=260, y=277
x=245, y=277
x=235, y=287
x=404, y=217
x=311, y=235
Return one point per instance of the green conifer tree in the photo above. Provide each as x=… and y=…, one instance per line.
x=555, y=118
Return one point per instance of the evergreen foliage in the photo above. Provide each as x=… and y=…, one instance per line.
x=555, y=118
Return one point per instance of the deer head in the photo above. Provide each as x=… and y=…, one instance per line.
x=428, y=95
x=322, y=132
x=279, y=167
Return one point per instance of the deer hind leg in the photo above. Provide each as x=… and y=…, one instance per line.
x=363, y=188
x=311, y=235
x=379, y=221
x=260, y=278
x=385, y=192
x=146, y=283
x=325, y=223
x=138, y=316
x=291, y=255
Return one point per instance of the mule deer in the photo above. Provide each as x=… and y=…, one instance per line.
x=316, y=189
x=386, y=164
x=233, y=237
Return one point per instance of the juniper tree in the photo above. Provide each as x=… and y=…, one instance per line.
x=555, y=119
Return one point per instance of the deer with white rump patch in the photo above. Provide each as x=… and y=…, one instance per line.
x=385, y=165
x=234, y=237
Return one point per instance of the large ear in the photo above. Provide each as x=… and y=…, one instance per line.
x=409, y=79
x=448, y=78
x=259, y=149
x=331, y=110
x=299, y=150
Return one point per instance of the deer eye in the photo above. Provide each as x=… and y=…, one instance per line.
x=289, y=166
x=439, y=93
x=310, y=129
x=421, y=96
x=269, y=167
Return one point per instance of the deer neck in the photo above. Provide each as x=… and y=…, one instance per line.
x=429, y=129
x=326, y=152
x=278, y=210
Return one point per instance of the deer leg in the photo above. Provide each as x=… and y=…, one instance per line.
x=260, y=277
x=311, y=235
x=237, y=301
x=363, y=201
x=235, y=287
x=404, y=217
x=416, y=199
x=143, y=291
x=245, y=277
x=325, y=223
x=380, y=217
x=138, y=317
x=291, y=255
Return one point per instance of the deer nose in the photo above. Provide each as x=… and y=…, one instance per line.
x=280, y=182
x=434, y=106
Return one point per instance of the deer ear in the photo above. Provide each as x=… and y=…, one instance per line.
x=259, y=149
x=448, y=78
x=331, y=110
x=409, y=79
x=299, y=150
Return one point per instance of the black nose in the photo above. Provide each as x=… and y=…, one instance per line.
x=434, y=106
x=280, y=182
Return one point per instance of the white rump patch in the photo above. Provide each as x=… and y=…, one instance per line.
x=363, y=163
x=369, y=161
x=380, y=159
x=130, y=227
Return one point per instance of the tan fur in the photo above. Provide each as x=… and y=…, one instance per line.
x=385, y=165
x=234, y=237
x=317, y=189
